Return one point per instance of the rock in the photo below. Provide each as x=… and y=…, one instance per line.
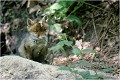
x=18, y=68
x=15, y=67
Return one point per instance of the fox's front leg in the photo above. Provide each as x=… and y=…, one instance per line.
x=28, y=52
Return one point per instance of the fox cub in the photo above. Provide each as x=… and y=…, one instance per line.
x=34, y=46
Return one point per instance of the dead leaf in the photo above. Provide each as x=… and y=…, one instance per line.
x=35, y=8
x=78, y=43
x=85, y=45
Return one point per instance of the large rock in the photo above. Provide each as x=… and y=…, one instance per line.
x=15, y=67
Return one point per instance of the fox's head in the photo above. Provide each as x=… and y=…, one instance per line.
x=37, y=27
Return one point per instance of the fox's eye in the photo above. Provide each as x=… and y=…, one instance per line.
x=36, y=31
x=45, y=29
x=40, y=24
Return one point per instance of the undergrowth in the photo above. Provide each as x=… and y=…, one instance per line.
x=56, y=15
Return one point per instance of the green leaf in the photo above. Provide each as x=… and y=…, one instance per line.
x=76, y=51
x=65, y=68
x=94, y=76
x=56, y=48
x=76, y=78
x=57, y=28
x=75, y=18
x=108, y=69
x=82, y=2
x=84, y=63
x=63, y=51
x=75, y=71
x=85, y=74
x=51, y=11
x=63, y=36
x=66, y=3
x=56, y=6
x=64, y=11
x=48, y=11
x=65, y=42
x=60, y=45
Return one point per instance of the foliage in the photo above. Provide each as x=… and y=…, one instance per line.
x=57, y=14
x=75, y=19
x=85, y=75
x=76, y=51
x=61, y=44
x=59, y=10
x=108, y=69
x=56, y=27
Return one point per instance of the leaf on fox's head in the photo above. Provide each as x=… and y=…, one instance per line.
x=30, y=22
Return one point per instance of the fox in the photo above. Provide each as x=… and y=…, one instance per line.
x=34, y=45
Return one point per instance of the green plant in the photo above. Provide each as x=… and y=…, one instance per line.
x=108, y=69
x=60, y=45
x=83, y=75
x=63, y=41
x=56, y=13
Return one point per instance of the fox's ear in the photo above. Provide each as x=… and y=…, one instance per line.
x=30, y=22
